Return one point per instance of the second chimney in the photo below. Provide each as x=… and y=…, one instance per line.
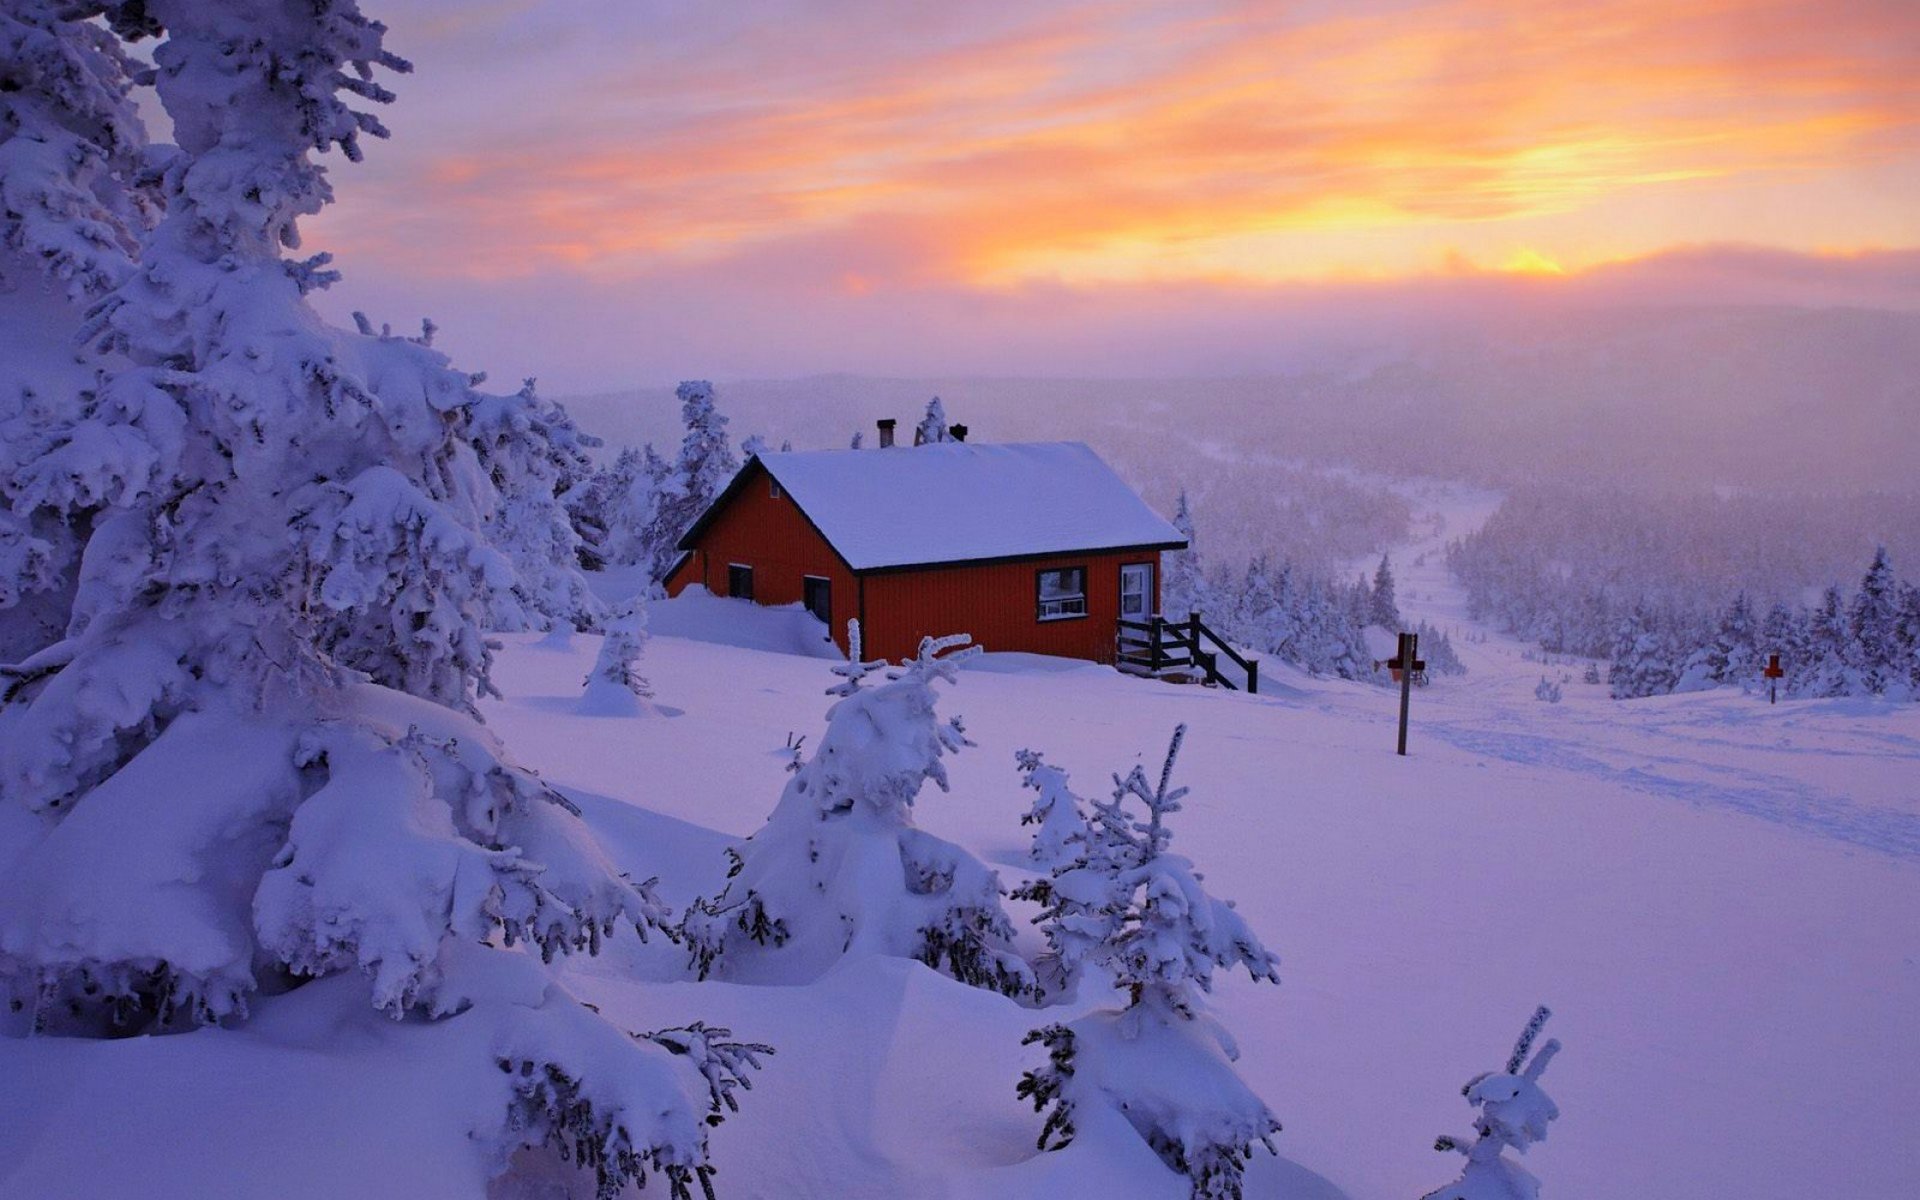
x=957, y=432
x=886, y=432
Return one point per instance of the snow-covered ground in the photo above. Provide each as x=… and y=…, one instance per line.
x=1720, y=900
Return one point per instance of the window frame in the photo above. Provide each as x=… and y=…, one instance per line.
x=773, y=489
x=1153, y=581
x=732, y=593
x=1041, y=602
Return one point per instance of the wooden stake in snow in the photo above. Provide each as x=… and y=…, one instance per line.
x=1404, y=665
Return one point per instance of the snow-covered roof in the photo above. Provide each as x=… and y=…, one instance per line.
x=960, y=501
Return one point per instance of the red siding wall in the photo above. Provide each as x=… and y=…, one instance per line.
x=996, y=603
x=779, y=543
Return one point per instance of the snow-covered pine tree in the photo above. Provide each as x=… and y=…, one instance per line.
x=1906, y=632
x=1059, y=826
x=632, y=489
x=615, y=687
x=1833, y=667
x=1873, y=620
x=250, y=761
x=839, y=868
x=1184, y=588
x=1547, y=691
x=1736, y=649
x=705, y=466
x=1783, y=632
x=1384, y=606
x=753, y=445
x=75, y=203
x=534, y=456
x=1135, y=913
x=933, y=426
x=1513, y=1112
x=1256, y=610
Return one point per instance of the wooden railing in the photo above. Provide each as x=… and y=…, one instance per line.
x=1158, y=645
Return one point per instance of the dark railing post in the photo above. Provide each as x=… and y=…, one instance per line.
x=1153, y=655
x=1193, y=633
x=1253, y=677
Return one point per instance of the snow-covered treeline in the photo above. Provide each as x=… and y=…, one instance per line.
x=1562, y=566
x=633, y=511
x=1276, y=608
x=1863, y=644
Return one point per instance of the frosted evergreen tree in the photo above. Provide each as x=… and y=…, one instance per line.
x=932, y=427
x=633, y=488
x=859, y=439
x=1184, y=588
x=1783, y=633
x=1256, y=610
x=1643, y=661
x=706, y=465
x=1547, y=691
x=1832, y=662
x=615, y=687
x=753, y=446
x=1736, y=644
x=1873, y=620
x=1059, y=826
x=1384, y=608
x=250, y=759
x=1513, y=1113
x=840, y=868
x=76, y=201
x=1907, y=640
x=1135, y=913
x=534, y=455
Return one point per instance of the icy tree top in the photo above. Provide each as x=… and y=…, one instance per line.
x=883, y=743
x=1514, y=1110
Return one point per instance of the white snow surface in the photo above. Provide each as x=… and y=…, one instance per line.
x=956, y=501
x=1720, y=900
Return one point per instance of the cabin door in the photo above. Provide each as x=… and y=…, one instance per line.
x=1136, y=591
x=817, y=594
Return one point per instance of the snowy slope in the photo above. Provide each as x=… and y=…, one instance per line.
x=1718, y=899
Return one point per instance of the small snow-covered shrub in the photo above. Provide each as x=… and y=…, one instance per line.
x=1513, y=1111
x=1547, y=691
x=1129, y=908
x=615, y=687
x=840, y=868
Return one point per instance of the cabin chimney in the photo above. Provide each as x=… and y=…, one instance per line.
x=886, y=431
x=957, y=432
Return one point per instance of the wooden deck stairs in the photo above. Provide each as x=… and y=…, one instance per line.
x=1159, y=647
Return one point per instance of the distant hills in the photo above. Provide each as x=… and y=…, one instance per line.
x=1764, y=397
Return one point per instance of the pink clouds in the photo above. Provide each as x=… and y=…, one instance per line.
x=880, y=154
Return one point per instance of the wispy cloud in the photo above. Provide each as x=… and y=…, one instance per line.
x=1134, y=140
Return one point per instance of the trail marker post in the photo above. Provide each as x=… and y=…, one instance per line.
x=1404, y=665
x=1773, y=674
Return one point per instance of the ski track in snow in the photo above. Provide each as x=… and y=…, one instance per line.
x=1658, y=746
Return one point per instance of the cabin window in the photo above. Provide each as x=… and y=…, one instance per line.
x=739, y=581
x=1062, y=592
x=773, y=487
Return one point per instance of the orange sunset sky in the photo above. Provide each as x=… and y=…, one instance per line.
x=607, y=192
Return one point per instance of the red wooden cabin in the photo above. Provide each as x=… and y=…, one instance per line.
x=1028, y=546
